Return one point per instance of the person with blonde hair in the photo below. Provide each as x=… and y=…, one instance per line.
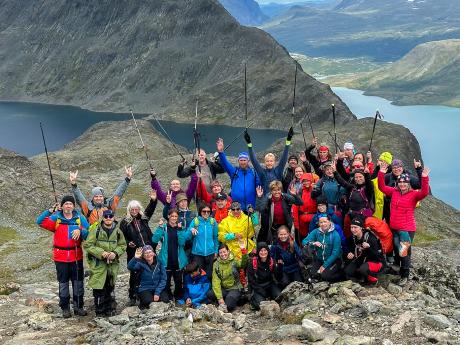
x=135, y=228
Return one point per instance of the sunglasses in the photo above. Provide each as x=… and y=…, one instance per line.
x=206, y=211
x=109, y=216
x=236, y=209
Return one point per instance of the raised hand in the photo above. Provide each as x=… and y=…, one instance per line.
x=194, y=231
x=153, y=194
x=168, y=197
x=129, y=171
x=73, y=177
x=54, y=208
x=220, y=145
x=341, y=155
x=260, y=191
x=161, y=222
x=138, y=253
x=247, y=138
x=426, y=172
x=417, y=164
x=383, y=167
x=153, y=173
x=292, y=190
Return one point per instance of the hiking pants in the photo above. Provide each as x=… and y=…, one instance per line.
x=288, y=278
x=205, y=263
x=73, y=272
x=366, y=270
x=104, y=299
x=134, y=279
x=177, y=276
x=231, y=297
x=403, y=262
x=272, y=291
x=146, y=297
x=331, y=274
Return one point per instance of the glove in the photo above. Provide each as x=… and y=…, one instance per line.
x=229, y=237
x=247, y=138
x=290, y=134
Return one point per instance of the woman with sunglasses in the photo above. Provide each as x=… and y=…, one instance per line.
x=172, y=253
x=204, y=231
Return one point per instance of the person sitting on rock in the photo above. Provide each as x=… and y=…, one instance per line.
x=137, y=232
x=174, y=189
x=367, y=259
x=275, y=210
x=287, y=255
x=104, y=246
x=99, y=203
x=402, y=209
x=69, y=228
x=196, y=286
x=263, y=273
x=152, y=277
x=324, y=246
x=270, y=172
x=172, y=253
x=226, y=285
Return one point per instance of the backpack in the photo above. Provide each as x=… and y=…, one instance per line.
x=255, y=264
x=382, y=231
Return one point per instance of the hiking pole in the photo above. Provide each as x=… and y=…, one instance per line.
x=309, y=121
x=239, y=136
x=293, y=97
x=377, y=115
x=335, y=132
x=303, y=135
x=49, y=165
x=335, y=141
x=196, y=140
x=169, y=138
x=142, y=141
x=245, y=97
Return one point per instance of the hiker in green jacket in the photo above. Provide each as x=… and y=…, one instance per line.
x=104, y=246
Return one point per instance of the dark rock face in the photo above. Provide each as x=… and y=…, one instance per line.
x=153, y=56
x=247, y=12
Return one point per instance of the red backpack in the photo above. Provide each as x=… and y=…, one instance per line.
x=380, y=229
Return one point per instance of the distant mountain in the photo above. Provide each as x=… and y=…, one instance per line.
x=382, y=30
x=274, y=9
x=428, y=74
x=247, y=12
x=152, y=56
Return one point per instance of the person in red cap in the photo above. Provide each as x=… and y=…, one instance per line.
x=304, y=214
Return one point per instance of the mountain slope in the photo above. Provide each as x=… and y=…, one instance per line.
x=247, y=12
x=428, y=74
x=383, y=30
x=153, y=56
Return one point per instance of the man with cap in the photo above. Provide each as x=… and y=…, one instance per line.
x=104, y=246
x=221, y=206
x=270, y=172
x=95, y=207
x=366, y=255
x=69, y=228
x=243, y=179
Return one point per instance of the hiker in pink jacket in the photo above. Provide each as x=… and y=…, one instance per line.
x=402, y=207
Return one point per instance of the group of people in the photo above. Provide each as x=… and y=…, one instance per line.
x=323, y=217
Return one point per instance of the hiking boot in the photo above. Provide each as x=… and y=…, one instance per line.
x=80, y=312
x=403, y=281
x=404, y=249
x=66, y=313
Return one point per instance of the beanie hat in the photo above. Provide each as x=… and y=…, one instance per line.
x=221, y=196
x=293, y=157
x=243, y=155
x=67, y=198
x=326, y=164
x=180, y=197
x=262, y=245
x=397, y=163
x=404, y=178
x=97, y=191
x=358, y=221
x=146, y=248
x=386, y=157
x=348, y=146
x=107, y=213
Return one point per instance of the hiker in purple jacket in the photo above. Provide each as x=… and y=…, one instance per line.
x=174, y=188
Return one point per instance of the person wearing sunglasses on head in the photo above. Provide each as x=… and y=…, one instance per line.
x=104, y=246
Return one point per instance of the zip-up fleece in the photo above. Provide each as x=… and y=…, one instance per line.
x=330, y=250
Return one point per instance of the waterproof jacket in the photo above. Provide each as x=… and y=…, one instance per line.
x=308, y=206
x=161, y=235
x=402, y=206
x=268, y=175
x=137, y=230
x=151, y=278
x=205, y=242
x=265, y=206
x=290, y=259
x=230, y=226
x=196, y=288
x=330, y=250
x=220, y=213
x=243, y=183
x=161, y=195
x=93, y=212
x=329, y=188
x=101, y=240
x=215, y=168
x=65, y=249
x=225, y=273
x=261, y=275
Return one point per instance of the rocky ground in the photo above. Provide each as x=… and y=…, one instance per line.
x=425, y=311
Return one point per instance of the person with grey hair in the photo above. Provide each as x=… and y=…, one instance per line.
x=135, y=228
x=93, y=209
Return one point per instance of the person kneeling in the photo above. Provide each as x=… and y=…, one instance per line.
x=196, y=286
x=226, y=285
x=325, y=247
x=263, y=274
x=152, y=277
x=367, y=256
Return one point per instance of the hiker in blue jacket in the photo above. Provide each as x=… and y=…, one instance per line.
x=196, y=286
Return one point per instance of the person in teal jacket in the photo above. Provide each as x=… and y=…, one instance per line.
x=325, y=247
x=204, y=230
x=172, y=253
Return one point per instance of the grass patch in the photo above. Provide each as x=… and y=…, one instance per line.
x=8, y=234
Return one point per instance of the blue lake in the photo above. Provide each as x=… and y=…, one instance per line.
x=436, y=128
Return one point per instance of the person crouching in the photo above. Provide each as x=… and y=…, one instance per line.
x=196, y=286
